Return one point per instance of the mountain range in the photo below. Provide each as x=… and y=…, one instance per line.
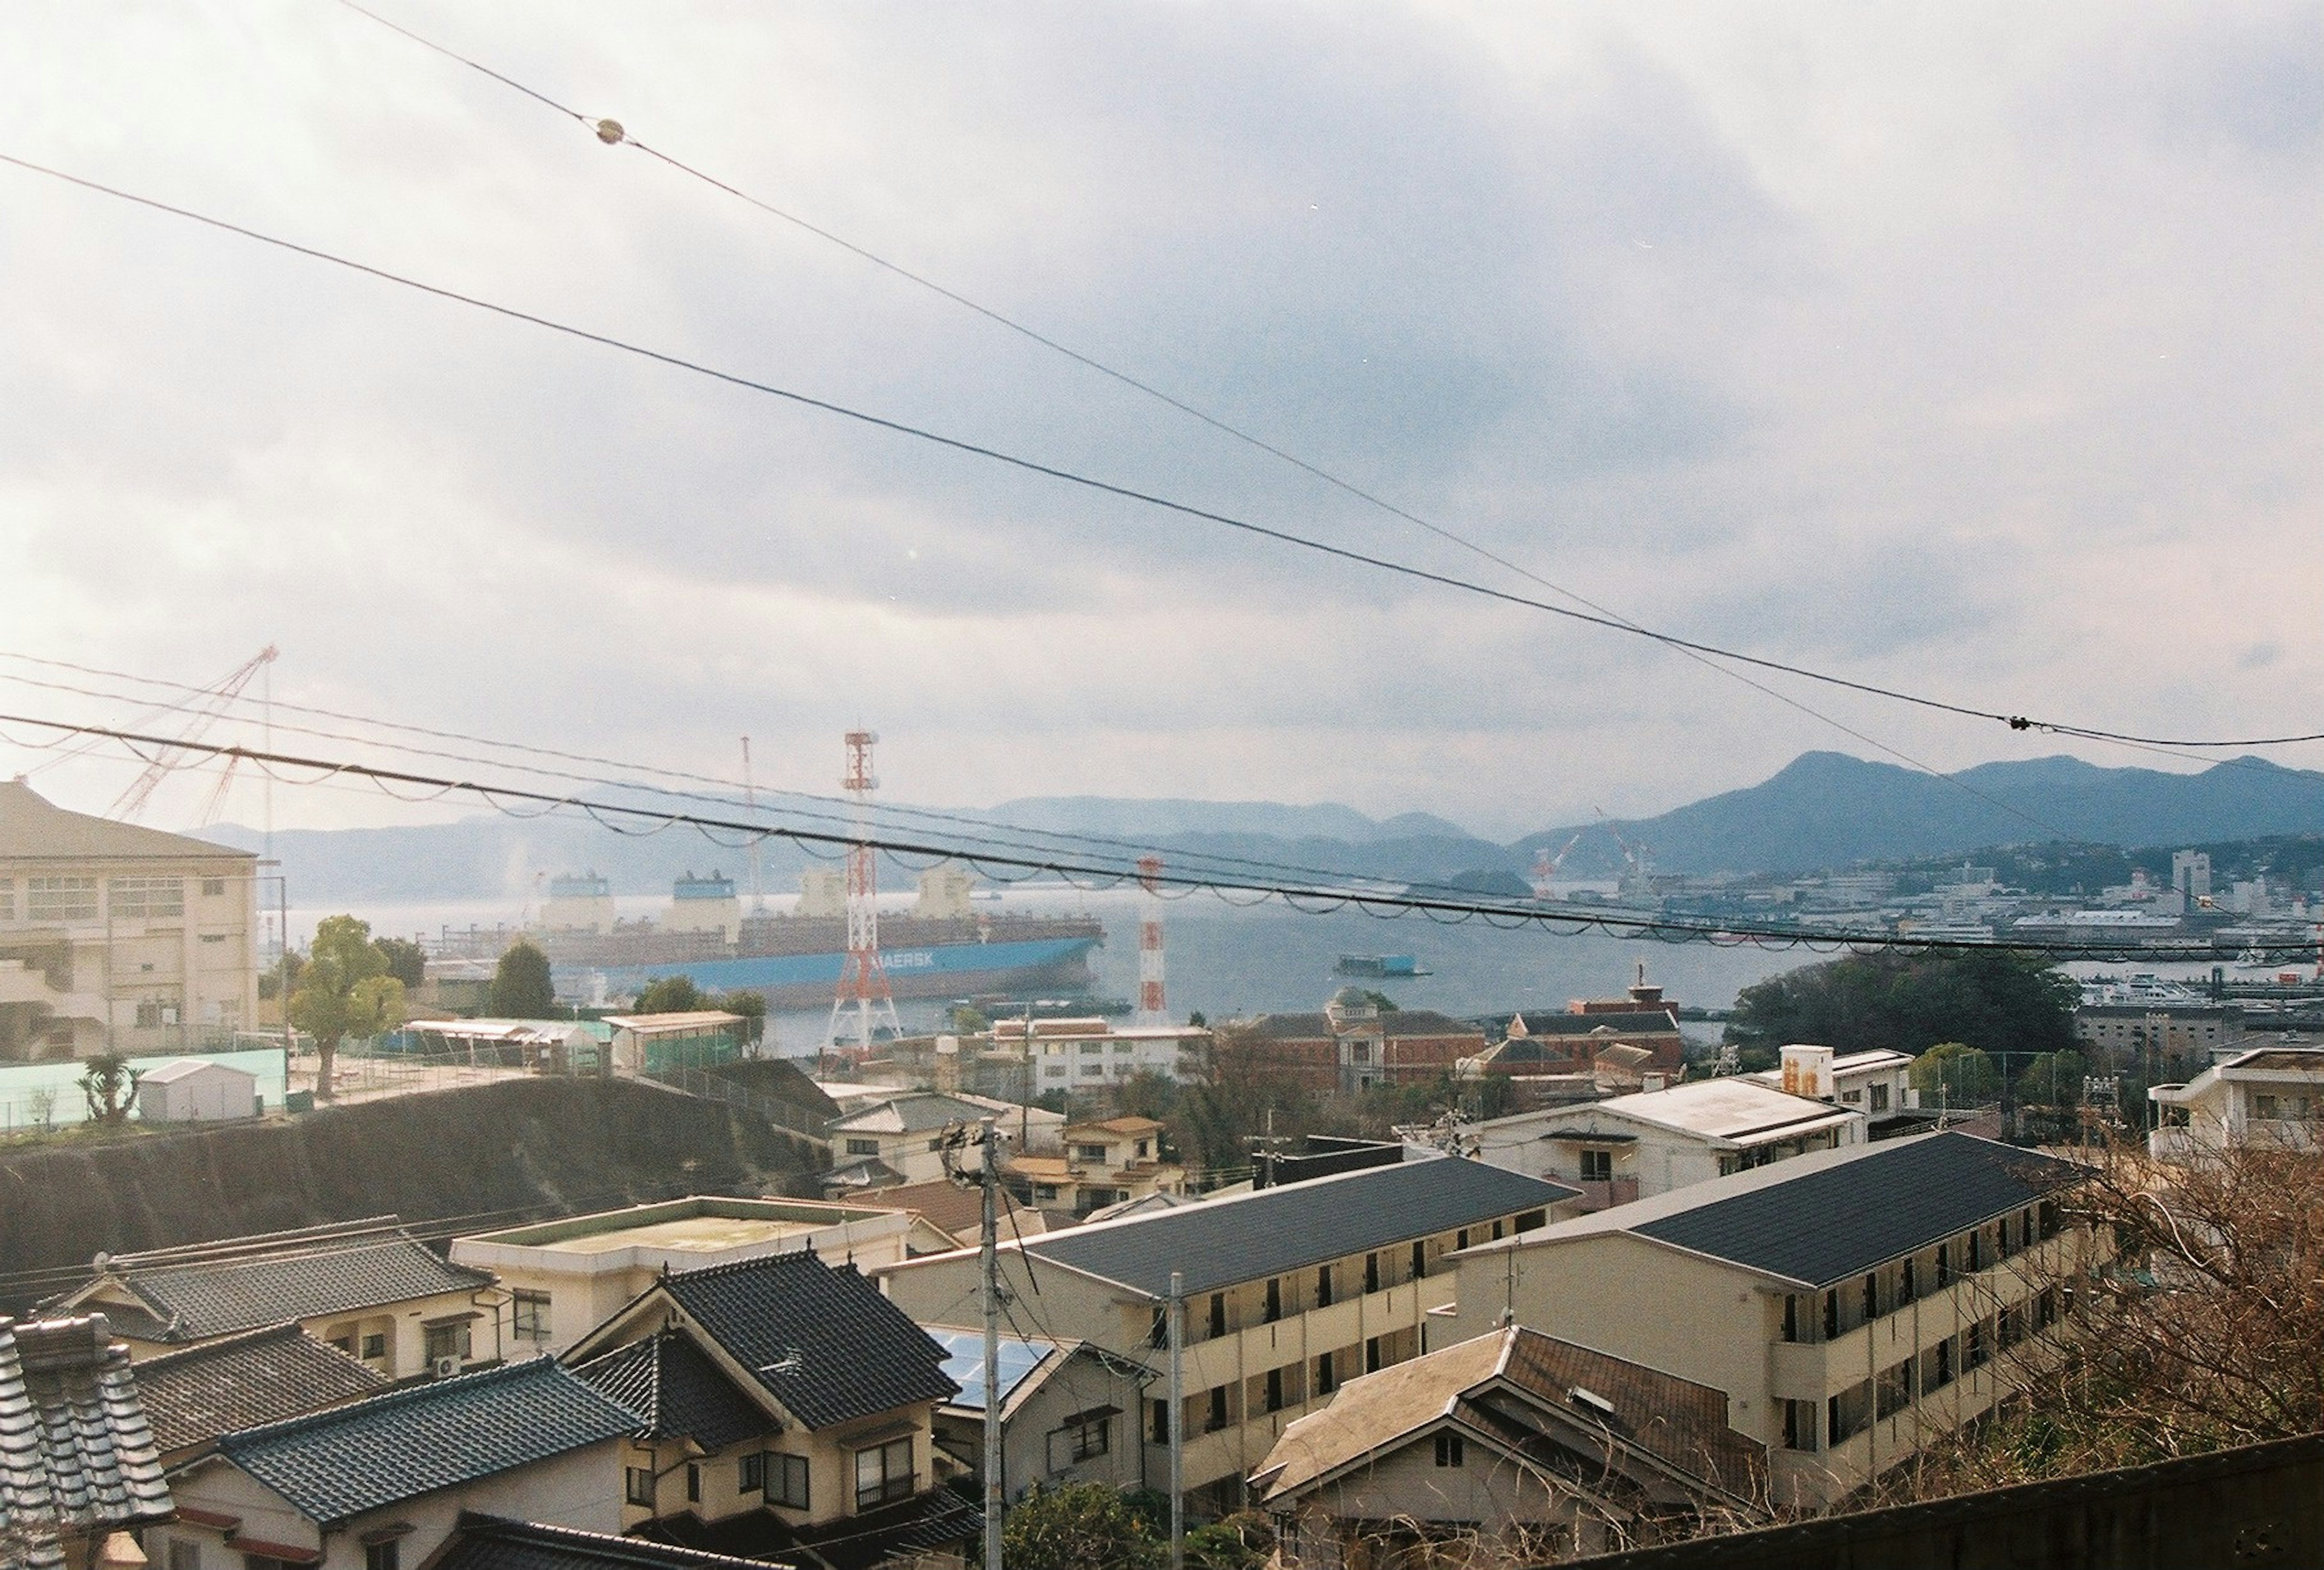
x=1823, y=810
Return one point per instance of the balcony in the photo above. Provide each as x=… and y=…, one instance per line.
x=1601, y=1193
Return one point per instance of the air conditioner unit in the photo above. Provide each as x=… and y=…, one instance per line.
x=446, y=1367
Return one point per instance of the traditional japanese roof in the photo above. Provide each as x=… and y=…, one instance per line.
x=912, y=1113
x=1268, y=1231
x=952, y=1209
x=680, y=1393
x=76, y=1453
x=33, y=829
x=817, y=1337
x=1598, y=1400
x=337, y=1465
x=209, y=1289
x=936, y=1519
x=490, y=1543
x=1816, y=1220
x=244, y=1382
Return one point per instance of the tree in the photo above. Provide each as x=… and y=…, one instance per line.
x=2002, y=1000
x=753, y=1007
x=406, y=961
x=670, y=994
x=344, y=990
x=1959, y=1074
x=109, y=1086
x=522, y=988
x=1083, y=1526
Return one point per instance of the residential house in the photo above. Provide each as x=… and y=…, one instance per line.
x=1353, y=1045
x=77, y=1458
x=1627, y=1147
x=1512, y=1442
x=1877, y=1082
x=481, y=1542
x=1286, y=1293
x=1068, y=1411
x=1851, y=1303
x=561, y=1278
x=381, y=1484
x=119, y=939
x=2269, y=1095
x=1105, y=1163
x=786, y=1410
x=368, y=1288
x=900, y=1138
x=196, y=1393
x=947, y=1215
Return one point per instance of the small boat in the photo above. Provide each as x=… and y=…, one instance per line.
x=1390, y=966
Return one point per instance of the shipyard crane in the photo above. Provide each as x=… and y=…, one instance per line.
x=1546, y=867
x=1634, y=856
x=203, y=710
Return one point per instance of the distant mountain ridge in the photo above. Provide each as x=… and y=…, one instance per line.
x=1823, y=810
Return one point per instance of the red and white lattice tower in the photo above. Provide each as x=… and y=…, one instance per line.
x=862, y=979
x=1149, y=943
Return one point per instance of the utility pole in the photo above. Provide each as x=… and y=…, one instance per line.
x=1177, y=1312
x=989, y=1137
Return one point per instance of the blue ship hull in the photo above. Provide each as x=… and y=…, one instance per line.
x=949, y=969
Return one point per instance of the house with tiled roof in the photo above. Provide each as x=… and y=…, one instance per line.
x=1511, y=1441
x=1855, y=1304
x=196, y=1393
x=481, y=1542
x=948, y=1215
x=1286, y=1293
x=785, y=1409
x=1068, y=1411
x=367, y=1288
x=899, y=1138
x=77, y=1463
x=380, y=1483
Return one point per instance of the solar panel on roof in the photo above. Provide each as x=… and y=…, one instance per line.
x=964, y=1364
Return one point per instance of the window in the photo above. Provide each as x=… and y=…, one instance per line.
x=1460, y=1240
x=1275, y=1389
x=1799, y=1426
x=1831, y=1316
x=385, y=1555
x=1973, y=1346
x=1218, y=1314
x=1529, y=1220
x=638, y=1485
x=1871, y=1297
x=1089, y=1153
x=8, y=913
x=1596, y=1166
x=1905, y=1290
x=787, y=1482
x=1085, y=1436
x=1792, y=1317
x=1371, y=1355
x=694, y=1483
x=884, y=1474
x=374, y=1344
x=144, y=899
x=1325, y=1381
x=529, y=1316
x=1895, y=1391
x=149, y=1014
x=1419, y=1260
x=2263, y=1106
x=1879, y=1098
x=345, y=1343
x=1448, y=1450
x=447, y=1340
x=1218, y=1414
x=1162, y=1422
x=1371, y=1273
x=212, y=887
x=60, y=898
x=1044, y=1191
x=1274, y=1299
x=862, y=1147
x=751, y=1474
x=1323, y=1287
x=1977, y=1250
x=185, y=1555
x=1944, y=1266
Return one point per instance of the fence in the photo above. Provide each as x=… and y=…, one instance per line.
x=39, y=1097
x=711, y=1088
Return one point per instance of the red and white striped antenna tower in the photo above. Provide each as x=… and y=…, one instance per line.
x=862, y=979
x=1150, y=1007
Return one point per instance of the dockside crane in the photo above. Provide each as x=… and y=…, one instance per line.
x=203, y=710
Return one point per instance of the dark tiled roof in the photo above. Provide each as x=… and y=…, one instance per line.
x=75, y=1448
x=1833, y=1220
x=490, y=1543
x=938, y=1518
x=823, y=1340
x=942, y=1204
x=1272, y=1230
x=203, y=1290
x=242, y=1381
x=671, y=1383
x=336, y=1464
x=1681, y=1423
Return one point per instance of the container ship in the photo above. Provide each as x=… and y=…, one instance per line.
x=944, y=948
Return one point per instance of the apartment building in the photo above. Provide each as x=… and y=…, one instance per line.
x=1286, y=1293
x=1851, y=1303
x=119, y=938
x=2271, y=1095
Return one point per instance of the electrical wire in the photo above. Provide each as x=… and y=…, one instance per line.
x=1128, y=493
x=611, y=816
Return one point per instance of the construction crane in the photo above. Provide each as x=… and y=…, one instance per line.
x=1638, y=880
x=203, y=710
x=1545, y=866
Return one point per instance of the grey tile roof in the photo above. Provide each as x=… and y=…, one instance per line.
x=490, y=1543
x=1821, y=1222
x=672, y=1383
x=339, y=1464
x=206, y=1291
x=823, y=1340
x=1273, y=1230
x=74, y=1449
x=242, y=1381
x=934, y=1519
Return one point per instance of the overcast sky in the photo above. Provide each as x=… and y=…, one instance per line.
x=1969, y=348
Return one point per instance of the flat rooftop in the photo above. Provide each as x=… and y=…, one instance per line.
x=705, y=1234
x=685, y=1234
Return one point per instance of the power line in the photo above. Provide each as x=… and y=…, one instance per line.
x=1306, y=899
x=1130, y=493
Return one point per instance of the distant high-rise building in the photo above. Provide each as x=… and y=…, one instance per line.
x=2190, y=874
